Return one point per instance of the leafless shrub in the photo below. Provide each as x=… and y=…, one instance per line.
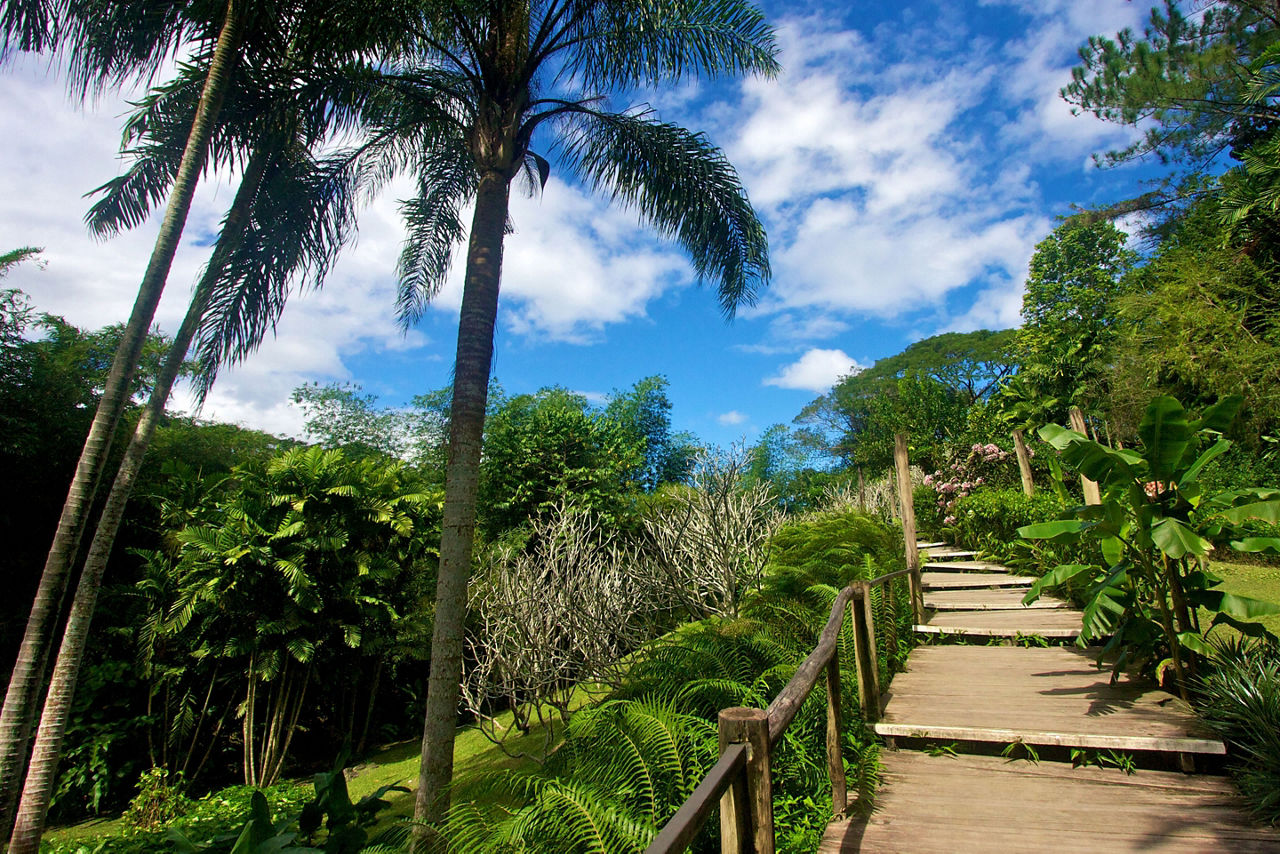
x=709, y=541
x=564, y=609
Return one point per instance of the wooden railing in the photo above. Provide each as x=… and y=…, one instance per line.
x=741, y=782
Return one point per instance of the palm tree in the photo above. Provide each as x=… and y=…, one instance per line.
x=500, y=74
x=290, y=217
x=107, y=44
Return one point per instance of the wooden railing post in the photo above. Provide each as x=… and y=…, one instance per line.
x=906, y=504
x=746, y=810
x=835, y=727
x=1024, y=463
x=1091, y=494
x=864, y=645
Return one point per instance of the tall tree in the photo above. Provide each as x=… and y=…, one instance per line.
x=501, y=75
x=289, y=218
x=107, y=43
x=1069, y=311
x=1184, y=84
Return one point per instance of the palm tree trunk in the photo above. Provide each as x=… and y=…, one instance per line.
x=22, y=695
x=57, y=709
x=462, y=476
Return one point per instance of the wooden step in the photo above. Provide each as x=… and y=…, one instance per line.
x=1001, y=599
x=938, y=545
x=949, y=554
x=1061, y=624
x=1039, y=696
x=964, y=566
x=972, y=580
x=979, y=804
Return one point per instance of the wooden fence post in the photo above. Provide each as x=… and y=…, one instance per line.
x=1091, y=494
x=1024, y=463
x=835, y=728
x=906, y=505
x=864, y=647
x=746, y=810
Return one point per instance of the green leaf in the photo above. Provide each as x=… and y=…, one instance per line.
x=1253, y=630
x=1216, y=449
x=1257, y=544
x=1165, y=433
x=1177, y=540
x=1195, y=643
x=1231, y=603
x=1112, y=550
x=1100, y=463
x=1053, y=578
x=1219, y=416
x=1050, y=530
x=1060, y=437
x=1267, y=511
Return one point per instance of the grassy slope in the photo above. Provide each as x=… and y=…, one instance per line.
x=1258, y=582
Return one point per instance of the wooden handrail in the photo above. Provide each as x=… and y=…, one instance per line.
x=782, y=711
x=741, y=780
x=678, y=833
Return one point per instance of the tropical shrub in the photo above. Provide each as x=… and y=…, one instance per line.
x=1145, y=563
x=989, y=519
x=1239, y=696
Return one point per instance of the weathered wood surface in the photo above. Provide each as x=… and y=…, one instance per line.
x=922, y=545
x=965, y=566
x=949, y=554
x=1053, y=696
x=1045, y=622
x=1000, y=599
x=981, y=804
x=934, y=580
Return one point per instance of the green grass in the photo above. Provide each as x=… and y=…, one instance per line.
x=1253, y=580
x=395, y=764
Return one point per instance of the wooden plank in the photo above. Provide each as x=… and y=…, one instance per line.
x=920, y=544
x=999, y=599
x=979, y=804
x=968, y=581
x=1054, y=695
x=1046, y=622
x=965, y=566
x=944, y=554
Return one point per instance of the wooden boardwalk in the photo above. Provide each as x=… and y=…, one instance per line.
x=1042, y=696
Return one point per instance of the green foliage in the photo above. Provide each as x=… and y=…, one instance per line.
x=923, y=391
x=644, y=411
x=1201, y=319
x=309, y=560
x=1144, y=558
x=988, y=520
x=627, y=764
x=1239, y=697
x=548, y=447
x=160, y=800
x=1183, y=81
x=1068, y=312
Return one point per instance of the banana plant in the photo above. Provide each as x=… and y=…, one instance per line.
x=1144, y=549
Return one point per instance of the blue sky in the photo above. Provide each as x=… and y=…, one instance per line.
x=905, y=163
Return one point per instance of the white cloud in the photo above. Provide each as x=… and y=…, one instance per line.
x=816, y=371
x=731, y=418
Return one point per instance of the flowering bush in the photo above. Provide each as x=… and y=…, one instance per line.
x=961, y=477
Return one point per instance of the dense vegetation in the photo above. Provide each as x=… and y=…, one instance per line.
x=269, y=605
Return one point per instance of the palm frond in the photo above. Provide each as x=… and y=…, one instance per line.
x=624, y=44
x=684, y=186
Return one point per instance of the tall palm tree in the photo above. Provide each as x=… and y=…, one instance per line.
x=108, y=43
x=290, y=217
x=498, y=75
